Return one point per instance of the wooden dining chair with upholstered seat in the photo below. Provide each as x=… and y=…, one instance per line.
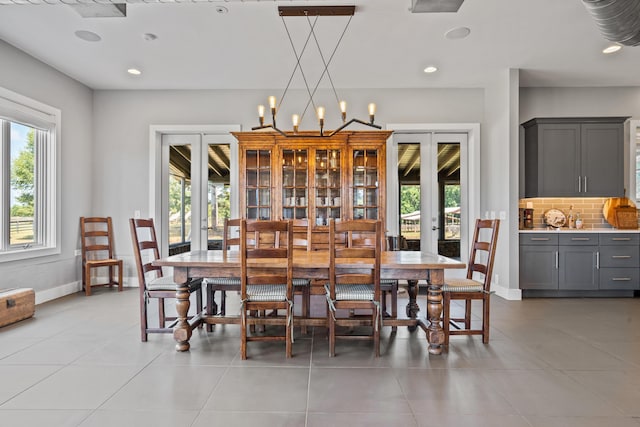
x=96, y=234
x=230, y=240
x=266, y=260
x=355, y=248
x=302, y=242
x=483, y=250
x=153, y=284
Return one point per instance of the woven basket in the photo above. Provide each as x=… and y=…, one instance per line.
x=626, y=217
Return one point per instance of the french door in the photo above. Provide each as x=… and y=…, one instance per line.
x=432, y=197
x=196, y=189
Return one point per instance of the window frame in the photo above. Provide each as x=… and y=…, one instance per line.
x=21, y=109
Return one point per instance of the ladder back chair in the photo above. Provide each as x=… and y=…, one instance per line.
x=96, y=234
x=302, y=286
x=230, y=240
x=153, y=284
x=483, y=250
x=355, y=248
x=266, y=256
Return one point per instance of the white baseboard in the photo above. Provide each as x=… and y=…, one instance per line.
x=508, y=293
x=45, y=295
x=57, y=292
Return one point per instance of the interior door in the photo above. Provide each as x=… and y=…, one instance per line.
x=196, y=189
x=432, y=167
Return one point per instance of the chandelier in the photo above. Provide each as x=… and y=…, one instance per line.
x=308, y=12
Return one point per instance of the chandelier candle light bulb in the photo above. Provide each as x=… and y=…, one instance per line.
x=372, y=112
x=295, y=119
x=321, y=118
x=343, y=110
x=261, y=114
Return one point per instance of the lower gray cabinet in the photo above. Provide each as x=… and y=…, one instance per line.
x=573, y=261
x=577, y=268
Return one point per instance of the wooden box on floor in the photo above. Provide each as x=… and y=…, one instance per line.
x=16, y=305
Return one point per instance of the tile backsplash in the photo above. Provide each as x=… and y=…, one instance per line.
x=590, y=210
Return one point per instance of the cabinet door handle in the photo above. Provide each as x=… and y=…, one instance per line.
x=585, y=183
x=581, y=238
x=621, y=279
x=557, y=255
x=579, y=184
x=621, y=239
x=540, y=238
x=620, y=256
x=598, y=260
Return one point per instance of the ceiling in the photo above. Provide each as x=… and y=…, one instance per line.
x=553, y=42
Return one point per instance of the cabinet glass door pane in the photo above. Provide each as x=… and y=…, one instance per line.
x=258, y=184
x=328, y=186
x=365, y=184
x=295, y=199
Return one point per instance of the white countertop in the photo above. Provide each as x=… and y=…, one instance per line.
x=575, y=230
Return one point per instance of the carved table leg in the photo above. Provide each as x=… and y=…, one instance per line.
x=182, y=330
x=412, y=306
x=435, y=334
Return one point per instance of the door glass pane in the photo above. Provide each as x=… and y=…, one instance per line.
x=295, y=199
x=179, y=198
x=365, y=184
x=258, y=184
x=218, y=192
x=23, y=185
x=328, y=186
x=409, y=180
x=449, y=199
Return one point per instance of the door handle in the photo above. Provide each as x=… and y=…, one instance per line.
x=434, y=228
x=579, y=184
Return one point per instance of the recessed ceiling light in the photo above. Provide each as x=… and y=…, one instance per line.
x=457, y=33
x=149, y=37
x=431, y=69
x=221, y=9
x=612, y=48
x=87, y=36
x=134, y=71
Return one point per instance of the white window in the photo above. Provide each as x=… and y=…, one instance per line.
x=29, y=181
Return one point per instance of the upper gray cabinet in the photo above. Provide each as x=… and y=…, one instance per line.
x=574, y=157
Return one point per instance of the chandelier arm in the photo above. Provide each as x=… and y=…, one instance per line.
x=362, y=122
x=298, y=58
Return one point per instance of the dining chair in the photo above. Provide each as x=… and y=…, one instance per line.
x=302, y=242
x=266, y=260
x=355, y=248
x=152, y=282
x=96, y=235
x=472, y=287
x=230, y=239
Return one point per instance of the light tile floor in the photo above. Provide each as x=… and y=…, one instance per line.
x=550, y=362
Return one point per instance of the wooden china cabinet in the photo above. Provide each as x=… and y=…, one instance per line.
x=318, y=178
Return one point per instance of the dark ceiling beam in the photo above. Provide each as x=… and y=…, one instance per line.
x=415, y=160
x=316, y=10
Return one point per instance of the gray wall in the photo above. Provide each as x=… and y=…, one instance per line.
x=29, y=77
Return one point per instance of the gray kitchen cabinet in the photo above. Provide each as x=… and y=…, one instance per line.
x=619, y=262
x=539, y=261
x=579, y=264
x=574, y=157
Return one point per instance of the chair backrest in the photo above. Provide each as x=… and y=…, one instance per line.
x=360, y=239
x=230, y=238
x=269, y=245
x=301, y=234
x=145, y=248
x=483, y=250
x=96, y=234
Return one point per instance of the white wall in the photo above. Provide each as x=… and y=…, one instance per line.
x=122, y=119
x=54, y=276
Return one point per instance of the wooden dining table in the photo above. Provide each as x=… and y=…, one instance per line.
x=402, y=265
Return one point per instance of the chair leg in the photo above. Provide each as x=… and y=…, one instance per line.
x=289, y=335
x=223, y=303
x=243, y=334
x=446, y=316
x=120, y=276
x=332, y=333
x=161, y=315
x=210, y=304
x=485, y=318
x=199, y=304
x=143, y=319
x=467, y=314
x=87, y=282
x=306, y=306
x=376, y=323
x=394, y=305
